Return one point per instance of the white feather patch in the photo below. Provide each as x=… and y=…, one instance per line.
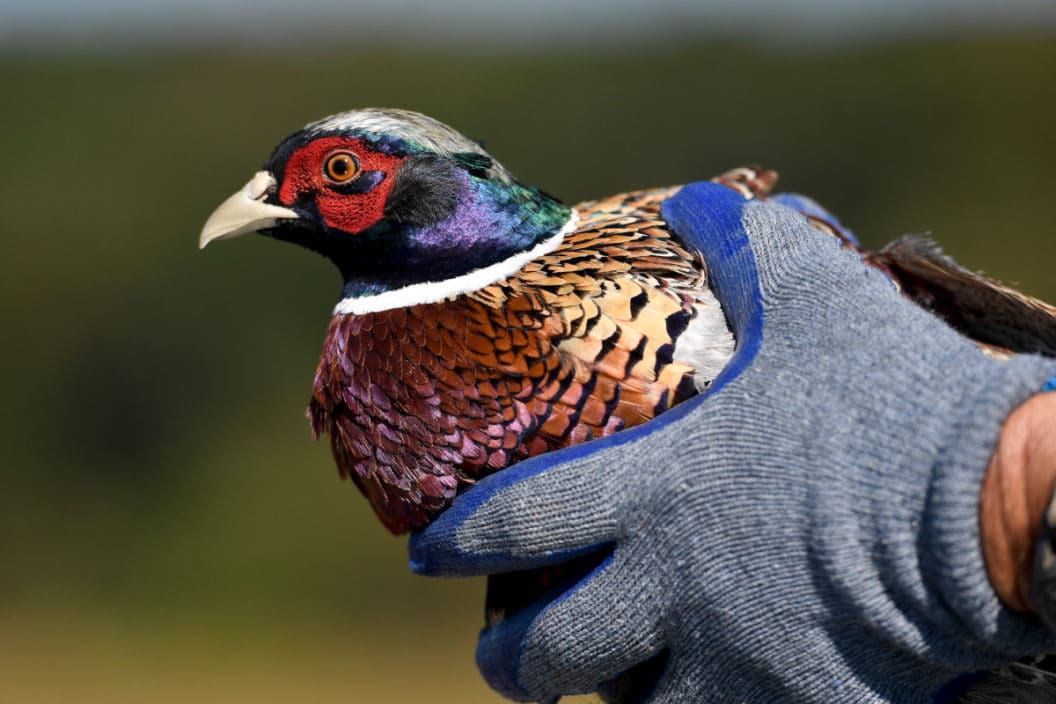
x=436, y=291
x=707, y=343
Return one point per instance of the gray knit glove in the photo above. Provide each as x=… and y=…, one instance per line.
x=805, y=531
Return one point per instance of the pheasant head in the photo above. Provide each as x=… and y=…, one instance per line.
x=408, y=209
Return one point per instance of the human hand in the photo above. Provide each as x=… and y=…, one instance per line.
x=1016, y=493
x=807, y=529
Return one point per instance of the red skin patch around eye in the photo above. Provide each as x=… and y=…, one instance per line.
x=352, y=213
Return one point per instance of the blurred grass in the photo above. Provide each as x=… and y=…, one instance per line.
x=167, y=528
x=75, y=658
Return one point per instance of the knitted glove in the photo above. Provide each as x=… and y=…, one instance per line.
x=806, y=530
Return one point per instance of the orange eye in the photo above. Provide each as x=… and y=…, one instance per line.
x=340, y=167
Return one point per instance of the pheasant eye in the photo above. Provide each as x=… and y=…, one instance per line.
x=340, y=167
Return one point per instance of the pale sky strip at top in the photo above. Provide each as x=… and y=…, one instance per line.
x=80, y=22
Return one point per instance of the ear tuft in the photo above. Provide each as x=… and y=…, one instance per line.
x=424, y=191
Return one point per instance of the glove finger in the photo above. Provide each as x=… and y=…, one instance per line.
x=606, y=625
x=499, y=649
x=533, y=514
x=812, y=209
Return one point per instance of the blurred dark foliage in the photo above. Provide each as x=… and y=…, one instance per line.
x=157, y=467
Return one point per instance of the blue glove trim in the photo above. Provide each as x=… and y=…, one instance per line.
x=809, y=206
x=500, y=647
x=707, y=218
x=1050, y=385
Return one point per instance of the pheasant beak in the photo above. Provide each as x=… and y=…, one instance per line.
x=245, y=212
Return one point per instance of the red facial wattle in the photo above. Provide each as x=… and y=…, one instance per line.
x=349, y=212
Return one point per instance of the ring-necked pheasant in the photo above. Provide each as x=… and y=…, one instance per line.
x=483, y=321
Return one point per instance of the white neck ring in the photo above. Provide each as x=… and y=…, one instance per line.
x=436, y=291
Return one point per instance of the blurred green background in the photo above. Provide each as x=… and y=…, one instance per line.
x=168, y=529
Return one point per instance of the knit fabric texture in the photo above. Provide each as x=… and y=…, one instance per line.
x=807, y=532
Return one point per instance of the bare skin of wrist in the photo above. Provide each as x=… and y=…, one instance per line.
x=1016, y=491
